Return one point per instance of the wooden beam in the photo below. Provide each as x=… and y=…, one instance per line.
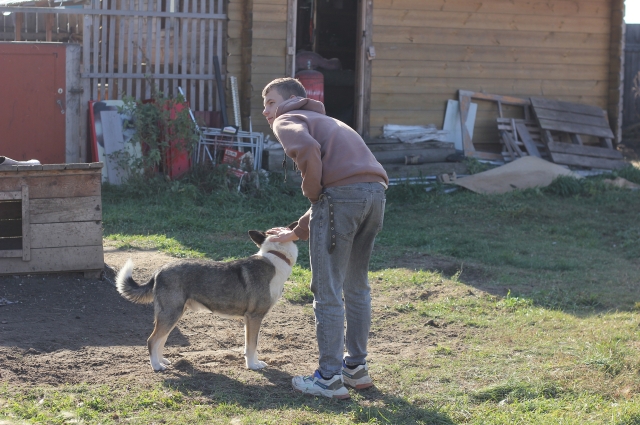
x=292, y=21
x=246, y=52
x=18, y=26
x=49, y=27
x=527, y=140
x=616, y=67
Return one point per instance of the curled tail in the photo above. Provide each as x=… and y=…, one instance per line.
x=130, y=289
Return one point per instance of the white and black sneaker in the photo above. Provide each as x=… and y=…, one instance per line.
x=356, y=376
x=316, y=385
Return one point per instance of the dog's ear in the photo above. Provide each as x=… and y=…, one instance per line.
x=257, y=237
x=292, y=225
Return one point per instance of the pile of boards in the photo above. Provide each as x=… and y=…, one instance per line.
x=561, y=132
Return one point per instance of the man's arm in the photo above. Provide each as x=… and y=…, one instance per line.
x=300, y=146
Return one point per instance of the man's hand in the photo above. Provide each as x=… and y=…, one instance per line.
x=282, y=234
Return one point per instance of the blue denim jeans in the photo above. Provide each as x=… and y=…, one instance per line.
x=358, y=215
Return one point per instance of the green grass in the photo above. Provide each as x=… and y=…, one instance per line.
x=517, y=308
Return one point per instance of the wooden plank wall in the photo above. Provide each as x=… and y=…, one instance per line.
x=428, y=49
x=65, y=219
x=268, y=53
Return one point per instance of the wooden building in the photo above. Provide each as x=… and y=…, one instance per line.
x=401, y=59
x=408, y=57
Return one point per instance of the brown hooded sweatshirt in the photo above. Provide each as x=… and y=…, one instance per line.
x=328, y=152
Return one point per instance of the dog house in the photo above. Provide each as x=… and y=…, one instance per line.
x=51, y=218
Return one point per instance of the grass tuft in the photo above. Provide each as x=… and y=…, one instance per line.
x=517, y=391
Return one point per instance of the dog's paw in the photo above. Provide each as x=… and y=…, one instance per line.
x=257, y=365
x=165, y=361
x=158, y=367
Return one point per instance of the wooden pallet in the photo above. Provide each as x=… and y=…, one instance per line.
x=521, y=138
x=569, y=121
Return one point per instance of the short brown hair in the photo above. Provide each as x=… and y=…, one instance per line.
x=286, y=88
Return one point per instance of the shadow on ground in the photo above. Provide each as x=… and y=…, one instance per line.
x=364, y=407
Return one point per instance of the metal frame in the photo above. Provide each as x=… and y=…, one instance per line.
x=214, y=138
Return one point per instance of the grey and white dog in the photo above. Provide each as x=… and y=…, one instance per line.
x=246, y=288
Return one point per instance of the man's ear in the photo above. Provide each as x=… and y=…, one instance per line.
x=292, y=225
x=292, y=96
x=257, y=237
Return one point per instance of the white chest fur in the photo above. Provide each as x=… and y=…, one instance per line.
x=283, y=271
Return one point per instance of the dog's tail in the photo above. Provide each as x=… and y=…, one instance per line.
x=130, y=289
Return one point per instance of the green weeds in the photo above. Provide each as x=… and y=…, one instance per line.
x=517, y=308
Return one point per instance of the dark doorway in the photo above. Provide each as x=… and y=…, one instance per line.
x=328, y=29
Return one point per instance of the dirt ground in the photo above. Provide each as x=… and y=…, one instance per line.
x=64, y=328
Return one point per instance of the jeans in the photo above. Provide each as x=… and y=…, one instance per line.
x=358, y=216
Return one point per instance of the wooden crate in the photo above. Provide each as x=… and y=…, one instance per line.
x=51, y=219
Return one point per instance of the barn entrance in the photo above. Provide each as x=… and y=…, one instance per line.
x=327, y=41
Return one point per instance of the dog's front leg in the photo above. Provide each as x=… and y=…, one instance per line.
x=252, y=324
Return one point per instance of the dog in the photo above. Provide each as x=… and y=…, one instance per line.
x=246, y=288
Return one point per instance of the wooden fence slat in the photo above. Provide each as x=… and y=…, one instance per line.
x=168, y=30
x=177, y=35
x=158, y=36
x=209, y=60
x=202, y=49
x=49, y=27
x=193, y=56
x=121, y=43
x=148, y=54
x=112, y=47
x=103, y=51
x=95, y=54
x=219, y=25
x=138, y=48
x=185, y=36
x=130, y=48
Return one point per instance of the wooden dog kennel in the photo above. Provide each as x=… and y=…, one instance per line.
x=51, y=219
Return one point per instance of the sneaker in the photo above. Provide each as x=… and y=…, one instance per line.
x=317, y=385
x=358, y=377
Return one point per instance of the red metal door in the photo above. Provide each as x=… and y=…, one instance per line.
x=32, y=101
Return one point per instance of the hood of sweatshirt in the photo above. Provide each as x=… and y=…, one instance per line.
x=300, y=103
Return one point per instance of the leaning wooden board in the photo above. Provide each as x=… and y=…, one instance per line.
x=574, y=120
x=59, y=215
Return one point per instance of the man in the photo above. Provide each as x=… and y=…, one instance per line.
x=345, y=184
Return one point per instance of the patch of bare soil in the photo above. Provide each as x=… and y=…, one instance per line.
x=63, y=328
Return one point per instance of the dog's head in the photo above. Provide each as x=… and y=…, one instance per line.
x=262, y=240
x=259, y=237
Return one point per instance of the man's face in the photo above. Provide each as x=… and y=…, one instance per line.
x=271, y=102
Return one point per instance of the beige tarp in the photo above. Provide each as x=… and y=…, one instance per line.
x=523, y=173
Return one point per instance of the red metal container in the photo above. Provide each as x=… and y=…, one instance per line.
x=313, y=82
